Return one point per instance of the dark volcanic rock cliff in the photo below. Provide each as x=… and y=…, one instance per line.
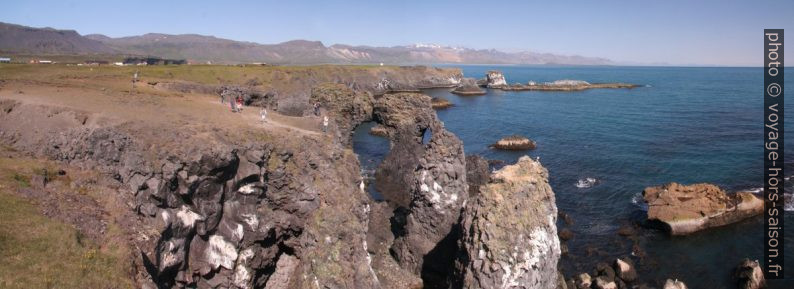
x=509, y=231
x=279, y=214
x=425, y=172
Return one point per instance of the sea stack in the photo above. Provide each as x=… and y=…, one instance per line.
x=505, y=244
x=495, y=79
x=687, y=209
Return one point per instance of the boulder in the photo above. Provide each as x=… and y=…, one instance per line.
x=685, y=209
x=674, y=284
x=509, y=231
x=514, y=142
x=495, y=79
x=602, y=282
x=625, y=270
x=749, y=275
x=603, y=270
x=583, y=281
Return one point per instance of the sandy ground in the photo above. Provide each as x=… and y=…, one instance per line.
x=190, y=110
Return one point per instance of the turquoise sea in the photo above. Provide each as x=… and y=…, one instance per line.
x=685, y=125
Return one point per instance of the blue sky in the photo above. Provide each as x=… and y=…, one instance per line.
x=672, y=32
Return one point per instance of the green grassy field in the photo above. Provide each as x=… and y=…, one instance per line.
x=39, y=252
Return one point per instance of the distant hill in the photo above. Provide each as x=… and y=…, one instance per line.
x=21, y=39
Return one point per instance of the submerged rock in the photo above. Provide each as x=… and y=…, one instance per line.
x=749, y=275
x=514, y=142
x=509, y=231
x=686, y=209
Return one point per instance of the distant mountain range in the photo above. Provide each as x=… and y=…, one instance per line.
x=17, y=39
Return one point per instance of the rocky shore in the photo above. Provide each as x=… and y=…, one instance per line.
x=496, y=80
x=237, y=203
x=683, y=210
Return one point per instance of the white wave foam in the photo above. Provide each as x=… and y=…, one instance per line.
x=638, y=201
x=586, y=183
x=788, y=202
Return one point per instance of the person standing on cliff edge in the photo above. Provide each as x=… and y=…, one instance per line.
x=325, y=124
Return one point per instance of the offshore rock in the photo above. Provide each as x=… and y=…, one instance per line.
x=515, y=142
x=440, y=102
x=468, y=86
x=379, y=130
x=749, y=275
x=564, y=85
x=509, y=232
x=495, y=79
x=685, y=209
x=425, y=173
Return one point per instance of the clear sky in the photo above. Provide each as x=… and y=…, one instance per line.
x=724, y=32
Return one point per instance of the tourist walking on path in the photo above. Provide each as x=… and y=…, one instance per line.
x=239, y=104
x=325, y=124
x=263, y=114
x=317, y=109
x=233, y=104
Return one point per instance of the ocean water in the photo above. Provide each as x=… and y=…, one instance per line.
x=685, y=125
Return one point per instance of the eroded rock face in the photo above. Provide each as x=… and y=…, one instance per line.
x=495, y=79
x=347, y=108
x=477, y=173
x=509, y=232
x=232, y=215
x=425, y=173
x=686, y=209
